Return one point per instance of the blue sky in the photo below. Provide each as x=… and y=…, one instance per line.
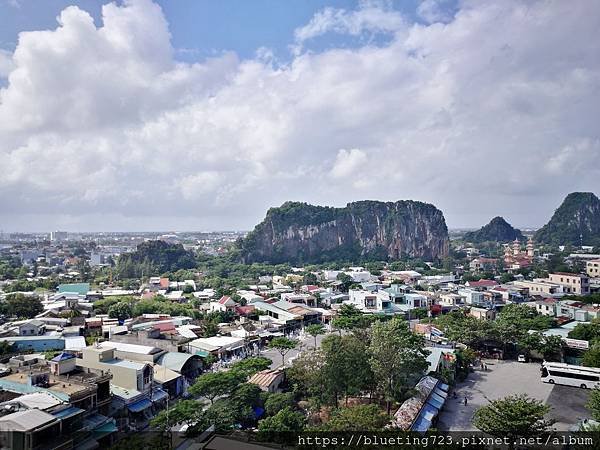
x=201, y=28
x=196, y=114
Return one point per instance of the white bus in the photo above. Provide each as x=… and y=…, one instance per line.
x=578, y=376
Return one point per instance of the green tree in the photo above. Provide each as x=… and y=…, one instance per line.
x=101, y=306
x=397, y=357
x=120, y=311
x=309, y=278
x=346, y=370
x=277, y=401
x=593, y=404
x=5, y=348
x=356, y=418
x=551, y=347
x=187, y=412
x=224, y=415
x=458, y=326
x=513, y=416
x=464, y=359
x=305, y=375
x=213, y=385
x=586, y=331
x=346, y=281
x=315, y=330
x=591, y=358
x=349, y=317
x=283, y=345
x=249, y=366
x=286, y=420
x=22, y=306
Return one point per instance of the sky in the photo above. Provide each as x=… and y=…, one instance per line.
x=200, y=115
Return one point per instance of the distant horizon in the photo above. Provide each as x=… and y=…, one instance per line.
x=450, y=229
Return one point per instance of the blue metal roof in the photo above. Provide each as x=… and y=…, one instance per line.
x=68, y=412
x=140, y=405
x=62, y=357
x=425, y=417
x=436, y=401
x=158, y=395
x=441, y=393
x=421, y=424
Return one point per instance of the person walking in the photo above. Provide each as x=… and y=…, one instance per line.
x=465, y=401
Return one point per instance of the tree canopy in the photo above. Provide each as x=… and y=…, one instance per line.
x=397, y=357
x=283, y=345
x=21, y=306
x=212, y=385
x=513, y=416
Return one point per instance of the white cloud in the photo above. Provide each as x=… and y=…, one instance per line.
x=371, y=16
x=348, y=163
x=102, y=123
x=575, y=158
x=6, y=64
x=435, y=10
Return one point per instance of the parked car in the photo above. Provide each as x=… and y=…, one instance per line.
x=521, y=358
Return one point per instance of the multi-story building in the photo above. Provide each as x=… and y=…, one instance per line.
x=483, y=264
x=572, y=283
x=55, y=404
x=592, y=268
x=57, y=236
x=540, y=286
x=368, y=301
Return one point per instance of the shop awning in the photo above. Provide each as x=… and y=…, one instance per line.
x=424, y=419
x=421, y=424
x=441, y=393
x=158, y=395
x=443, y=387
x=140, y=405
x=436, y=401
x=202, y=353
x=429, y=412
x=94, y=421
x=105, y=430
x=69, y=412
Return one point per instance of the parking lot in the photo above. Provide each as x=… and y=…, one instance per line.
x=506, y=378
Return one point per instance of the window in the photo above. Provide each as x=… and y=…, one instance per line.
x=577, y=376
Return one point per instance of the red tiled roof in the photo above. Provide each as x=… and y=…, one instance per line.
x=483, y=283
x=164, y=326
x=164, y=282
x=244, y=310
x=224, y=299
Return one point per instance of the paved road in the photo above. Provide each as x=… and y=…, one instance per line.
x=503, y=378
x=307, y=342
x=568, y=406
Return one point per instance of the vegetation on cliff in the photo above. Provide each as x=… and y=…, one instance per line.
x=302, y=233
x=498, y=230
x=152, y=257
x=575, y=222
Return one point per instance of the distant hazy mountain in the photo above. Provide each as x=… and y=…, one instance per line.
x=575, y=222
x=303, y=233
x=498, y=230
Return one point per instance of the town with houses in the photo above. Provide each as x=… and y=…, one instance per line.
x=91, y=355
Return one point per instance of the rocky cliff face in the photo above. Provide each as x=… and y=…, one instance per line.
x=302, y=233
x=575, y=222
x=498, y=230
